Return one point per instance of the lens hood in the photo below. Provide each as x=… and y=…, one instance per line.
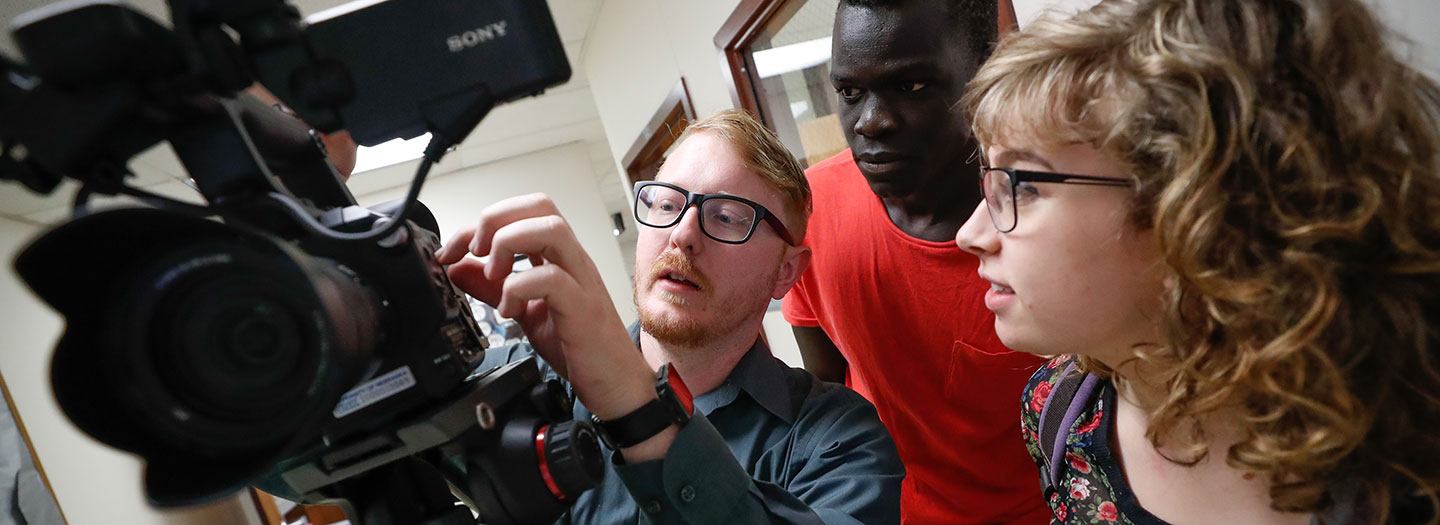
x=190, y=342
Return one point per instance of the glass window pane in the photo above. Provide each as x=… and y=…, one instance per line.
x=790, y=62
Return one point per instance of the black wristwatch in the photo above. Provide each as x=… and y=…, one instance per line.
x=673, y=406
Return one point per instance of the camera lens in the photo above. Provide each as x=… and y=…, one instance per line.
x=250, y=336
x=198, y=343
x=231, y=345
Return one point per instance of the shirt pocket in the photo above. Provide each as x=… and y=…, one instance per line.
x=976, y=376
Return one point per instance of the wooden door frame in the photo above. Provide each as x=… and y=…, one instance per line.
x=660, y=133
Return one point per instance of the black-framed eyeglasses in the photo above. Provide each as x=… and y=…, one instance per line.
x=999, y=185
x=725, y=218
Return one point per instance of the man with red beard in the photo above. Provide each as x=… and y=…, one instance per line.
x=758, y=442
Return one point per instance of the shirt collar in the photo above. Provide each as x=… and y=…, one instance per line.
x=759, y=374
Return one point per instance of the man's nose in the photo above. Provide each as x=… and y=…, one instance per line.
x=978, y=235
x=686, y=234
x=876, y=119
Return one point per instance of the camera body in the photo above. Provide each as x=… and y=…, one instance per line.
x=432, y=342
x=206, y=343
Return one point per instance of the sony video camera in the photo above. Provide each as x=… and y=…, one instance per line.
x=282, y=334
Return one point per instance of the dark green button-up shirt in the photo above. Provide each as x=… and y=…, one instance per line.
x=771, y=444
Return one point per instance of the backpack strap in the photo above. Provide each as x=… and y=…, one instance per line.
x=1071, y=393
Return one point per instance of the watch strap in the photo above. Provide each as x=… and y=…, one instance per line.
x=673, y=405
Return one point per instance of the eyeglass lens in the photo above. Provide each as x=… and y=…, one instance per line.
x=999, y=198
x=721, y=218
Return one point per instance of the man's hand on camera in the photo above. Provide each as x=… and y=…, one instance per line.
x=561, y=303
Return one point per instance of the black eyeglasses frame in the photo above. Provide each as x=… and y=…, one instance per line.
x=1019, y=176
x=695, y=199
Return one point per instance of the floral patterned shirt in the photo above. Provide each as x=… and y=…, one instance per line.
x=1092, y=488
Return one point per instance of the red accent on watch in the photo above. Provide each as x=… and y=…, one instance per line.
x=682, y=391
x=545, y=465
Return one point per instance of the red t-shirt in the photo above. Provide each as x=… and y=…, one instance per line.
x=909, y=315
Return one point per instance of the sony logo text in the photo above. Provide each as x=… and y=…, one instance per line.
x=476, y=37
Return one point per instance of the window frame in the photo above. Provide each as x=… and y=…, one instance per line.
x=748, y=20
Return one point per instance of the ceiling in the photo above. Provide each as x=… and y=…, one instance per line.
x=562, y=115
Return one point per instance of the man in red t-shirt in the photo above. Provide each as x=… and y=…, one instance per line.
x=890, y=305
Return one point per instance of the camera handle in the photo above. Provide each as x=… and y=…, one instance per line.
x=406, y=491
x=482, y=443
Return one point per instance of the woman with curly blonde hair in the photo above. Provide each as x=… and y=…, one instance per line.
x=1224, y=215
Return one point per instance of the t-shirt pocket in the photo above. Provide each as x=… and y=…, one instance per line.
x=978, y=376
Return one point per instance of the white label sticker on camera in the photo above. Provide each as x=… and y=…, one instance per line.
x=375, y=390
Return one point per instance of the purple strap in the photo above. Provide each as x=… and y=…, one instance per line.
x=1072, y=412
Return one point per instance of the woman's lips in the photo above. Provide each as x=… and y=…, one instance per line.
x=998, y=296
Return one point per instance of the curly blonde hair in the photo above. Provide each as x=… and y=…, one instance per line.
x=1288, y=165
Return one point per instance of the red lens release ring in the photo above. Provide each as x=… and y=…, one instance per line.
x=544, y=465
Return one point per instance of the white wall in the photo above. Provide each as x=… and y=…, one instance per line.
x=639, y=49
x=1027, y=10
x=563, y=172
x=93, y=484
x=1414, y=21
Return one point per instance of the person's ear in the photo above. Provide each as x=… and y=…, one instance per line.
x=797, y=260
